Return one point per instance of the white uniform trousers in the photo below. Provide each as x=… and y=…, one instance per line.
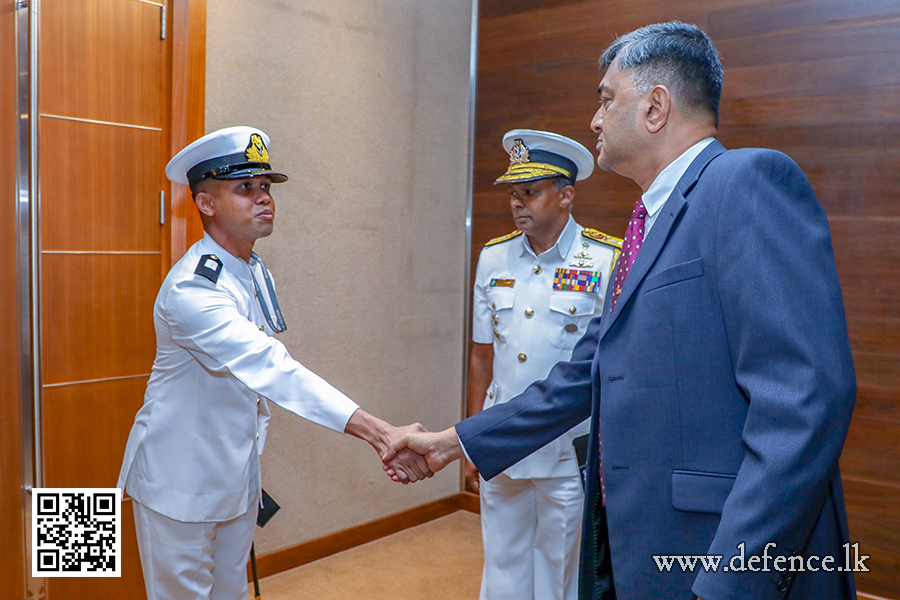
x=531, y=532
x=194, y=561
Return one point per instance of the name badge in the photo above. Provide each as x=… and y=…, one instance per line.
x=503, y=282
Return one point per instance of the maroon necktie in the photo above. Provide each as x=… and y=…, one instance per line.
x=634, y=237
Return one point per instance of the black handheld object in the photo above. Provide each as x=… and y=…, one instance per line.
x=267, y=511
x=580, y=444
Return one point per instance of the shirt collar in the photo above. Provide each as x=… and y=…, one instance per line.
x=562, y=242
x=234, y=265
x=662, y=187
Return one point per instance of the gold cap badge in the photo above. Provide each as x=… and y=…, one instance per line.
x=518, y=154
x=256, y=150
x=521, y=168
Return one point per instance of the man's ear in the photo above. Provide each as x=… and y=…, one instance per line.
x=659, y=106
x=205, y=204
x=566, y=196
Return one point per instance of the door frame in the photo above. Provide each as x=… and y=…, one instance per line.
x=184, y=91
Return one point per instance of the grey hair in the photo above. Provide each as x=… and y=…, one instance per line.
x=561, y=182
x=677, y=55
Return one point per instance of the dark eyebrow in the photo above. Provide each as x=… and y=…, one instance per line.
x=602, y=88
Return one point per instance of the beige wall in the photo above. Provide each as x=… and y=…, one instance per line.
x=367, y=105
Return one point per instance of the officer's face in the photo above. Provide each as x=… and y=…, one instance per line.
x=243, y=208
x=537, y=207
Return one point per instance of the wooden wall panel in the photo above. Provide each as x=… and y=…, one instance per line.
x=875, y=524
x=816, y=79
x=102, y=190
x=12, y=565
x=820, y=39
x=759, y=18
x=872, y=451
x=103, y=118
x=105, y=111
x=88, y=72
x=97, y=313
x=187, y=97
x=841, y=74
x=862, y=107
x=69, y=458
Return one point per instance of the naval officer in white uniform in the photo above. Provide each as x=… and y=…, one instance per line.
x=192, y=460
x=535, y=291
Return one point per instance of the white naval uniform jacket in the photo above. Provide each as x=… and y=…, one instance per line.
x=195, y=443
x=533, y=325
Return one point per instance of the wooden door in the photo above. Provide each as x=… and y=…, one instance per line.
x=12, y=565
x=102, y=149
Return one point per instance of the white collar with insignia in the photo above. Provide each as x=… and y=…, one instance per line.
x=234, y=265
x=563, y=242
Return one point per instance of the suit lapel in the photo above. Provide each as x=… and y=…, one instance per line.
x=659, y=233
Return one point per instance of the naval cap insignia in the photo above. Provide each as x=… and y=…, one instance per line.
x=256, y=149
x=518, y=154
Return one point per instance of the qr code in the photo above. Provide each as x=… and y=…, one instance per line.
x=75, y=532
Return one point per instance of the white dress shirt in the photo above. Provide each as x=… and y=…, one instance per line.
x=661, y=188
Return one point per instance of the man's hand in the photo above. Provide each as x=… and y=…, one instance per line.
x=407, y=467
x=473, y=482
x=406, y=464
x=439, y=450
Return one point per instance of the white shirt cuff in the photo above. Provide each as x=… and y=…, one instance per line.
x=461, y=445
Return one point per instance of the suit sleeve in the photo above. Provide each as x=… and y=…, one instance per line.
x=205, y=321
x=502, y=435
x=787, y=336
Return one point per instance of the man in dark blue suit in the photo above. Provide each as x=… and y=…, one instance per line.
x=719, y=380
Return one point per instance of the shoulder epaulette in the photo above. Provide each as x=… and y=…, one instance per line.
x=503, y=238
x=210, y=266
x=599, y=236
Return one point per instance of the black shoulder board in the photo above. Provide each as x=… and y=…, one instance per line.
x=209, y=266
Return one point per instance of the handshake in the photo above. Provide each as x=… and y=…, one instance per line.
x=417, y=453
x=409, y=453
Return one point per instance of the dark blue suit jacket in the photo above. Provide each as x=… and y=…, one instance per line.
x=724, y=384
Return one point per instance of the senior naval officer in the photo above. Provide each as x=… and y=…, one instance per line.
x=192, y=460
x=535, y=291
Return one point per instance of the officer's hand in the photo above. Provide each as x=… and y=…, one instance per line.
x=407, y=466
x=439, y=449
